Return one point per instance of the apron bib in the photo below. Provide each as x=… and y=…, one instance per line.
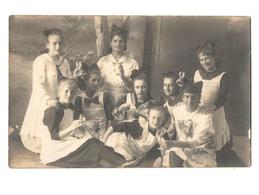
x=209, y=94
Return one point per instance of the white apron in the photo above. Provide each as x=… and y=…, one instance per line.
x=209, y=93
x=52, y=150
x=129, y=147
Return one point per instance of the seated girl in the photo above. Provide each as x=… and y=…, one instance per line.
x=172, y=84
x=92, y=104
x=194, y=131
x=60, y=144
x=136, y=102
x=133, y=139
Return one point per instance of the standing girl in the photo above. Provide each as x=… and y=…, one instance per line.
x=117, y=67
x=213, y=95
x=47, y=69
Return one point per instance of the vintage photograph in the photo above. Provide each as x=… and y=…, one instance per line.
x=129, y=91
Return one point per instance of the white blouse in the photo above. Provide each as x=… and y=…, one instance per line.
x=45, y=81
x=109, y=69
x=192, y=126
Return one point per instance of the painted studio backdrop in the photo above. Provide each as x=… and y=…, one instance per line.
x=158, y=44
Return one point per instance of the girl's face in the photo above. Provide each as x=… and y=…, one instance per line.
x=168, y=86
x=140, y=89
x=191, y=101
x=66, y=94
x=155, y=118
x=207, y=62
x=54, y=45
x=118, y=44
x=94, y=81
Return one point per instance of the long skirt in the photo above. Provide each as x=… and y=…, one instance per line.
x=89, y=155
x=31, y=132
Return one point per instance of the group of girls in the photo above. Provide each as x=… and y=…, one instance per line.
x=105, y=116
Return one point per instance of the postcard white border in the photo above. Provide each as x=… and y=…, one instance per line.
x=129, y=181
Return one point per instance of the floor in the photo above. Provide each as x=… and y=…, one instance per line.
x=19, y=157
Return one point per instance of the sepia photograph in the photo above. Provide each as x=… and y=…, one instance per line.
x=129, y=91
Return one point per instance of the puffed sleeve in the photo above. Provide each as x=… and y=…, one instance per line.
x=40, y=79
x=196, y=77
x=52, y=119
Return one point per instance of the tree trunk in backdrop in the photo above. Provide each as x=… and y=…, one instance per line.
x=102, y=35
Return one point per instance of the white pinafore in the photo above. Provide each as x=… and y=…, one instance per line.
x=209, y=93
x=127, y=146
x=52, y=150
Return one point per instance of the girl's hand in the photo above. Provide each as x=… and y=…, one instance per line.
x=76, y=124
x=161, y=141
x=204, y=142
x=78, y=70
x=79, y=65
x=207, y=141
x=209, y=108
x=78, y=133
x=52, y=102
x=180, y=80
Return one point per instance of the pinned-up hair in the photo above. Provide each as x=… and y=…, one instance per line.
x=52, y=31
x=46, y=34
x=171, y=75
x=121, y=31
x=208, y=48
